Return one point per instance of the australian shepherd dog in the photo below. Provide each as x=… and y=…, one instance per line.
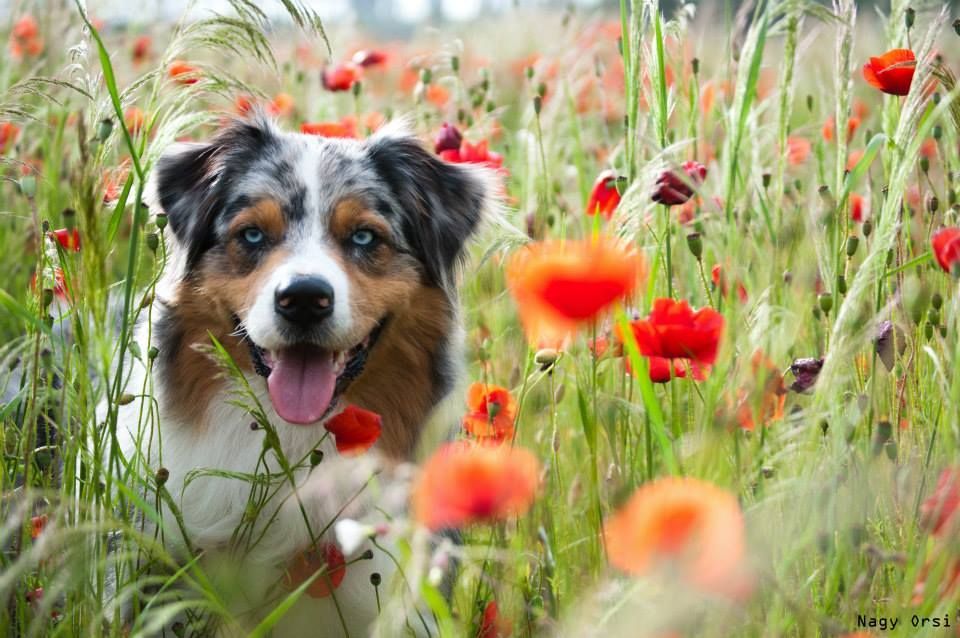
x=324, y=269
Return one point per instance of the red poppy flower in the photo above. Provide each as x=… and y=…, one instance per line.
x=492, y=624
x=492, y=410
x=341, y=77
x=938, y=509
x=673, y=189
x=60, y=288
x=604, y=198
x=447, y=139
x=674, y=331
x=559, y=286
x=69, y=239
x=468, y=153
x=326, y=557
x=463, y=484
x=355, y=429
x=37, y=524
x=8, y=135
x=243, y=104
x=25, y=37
x=347, y=127
x=141, y=49
x=369, y=57
x=892, y=72
x=946, y=248
x=183, y=72
x=25, y=28
x=684, y=523
x=856, y=207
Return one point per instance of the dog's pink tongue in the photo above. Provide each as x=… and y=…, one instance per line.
x=301, y=384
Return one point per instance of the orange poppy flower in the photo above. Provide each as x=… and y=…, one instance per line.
x=183, y=72
x=798, y=150
x=774, y=396
x=37, y=525
x=326, y=557
x=134, y=118
x=355, y=430
x=8, y=135
x=716, y=276
x=492, y=410
x=892, y=72
x=682, y=522
x=829, y=128
x=243, y=104
x=492, y=624
x=464, y=483
x=344, y=128
x=604, y=198
x=559, y=286
x=437, y=95
x=673, y=330
x=281, y=105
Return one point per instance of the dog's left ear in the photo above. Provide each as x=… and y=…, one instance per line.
x=441, y=203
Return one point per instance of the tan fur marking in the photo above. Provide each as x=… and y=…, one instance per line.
x=265, y=214
x=397, y=382
x=350, y=214
x=209, y=306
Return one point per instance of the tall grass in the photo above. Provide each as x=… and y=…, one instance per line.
x=830, y=488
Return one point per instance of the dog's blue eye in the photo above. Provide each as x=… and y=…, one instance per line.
x=253, y=236
x=362, y=237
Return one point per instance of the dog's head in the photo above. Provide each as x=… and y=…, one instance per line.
x=310, y=245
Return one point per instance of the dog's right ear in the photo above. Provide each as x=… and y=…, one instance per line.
x=192, y=181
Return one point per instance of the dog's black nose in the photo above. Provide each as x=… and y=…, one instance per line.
x=305, y=300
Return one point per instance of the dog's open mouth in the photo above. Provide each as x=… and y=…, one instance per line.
x=304, y=381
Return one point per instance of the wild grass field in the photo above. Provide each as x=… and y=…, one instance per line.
x=711, y=339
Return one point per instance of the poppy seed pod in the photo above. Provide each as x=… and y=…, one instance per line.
x=867, y=228
x=161, y=220
x=853, y=242
x=909, y=17
x=316, y=457
x=841, y=284
x=936, y=300
x=825, y=300
x=933, y=203
x=162, y=476
x=153, y=241
x=695, y=244
x=375, y=579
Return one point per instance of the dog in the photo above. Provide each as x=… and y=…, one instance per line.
x=325, y=269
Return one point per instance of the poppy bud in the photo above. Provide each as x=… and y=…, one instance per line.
x=537, y=104
x=932, y=204
x=943, y=330
x=695, y=244
x=455, y=63
x=809, y=102
x=448, y=139
x=542, y=89
x=867, y=228
x=375, y=579
x=909, y=17
x=153, y=241
x=936, y=300
x=545, y=357
x=104, y=128
x=47, y=298
x=125, y=399
x=928, y=331
x=426, y=75
x=153, y=352
x=316, y=457
x=161, y=220
x=933, y=316
x=162, y=476
x=937, y=132
x=357, y=88
x=825, y=301
x=924, y=164
x=766, y=180
x=842, y=284
x=28, y=186
x=695, y=65
x=853, y=242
